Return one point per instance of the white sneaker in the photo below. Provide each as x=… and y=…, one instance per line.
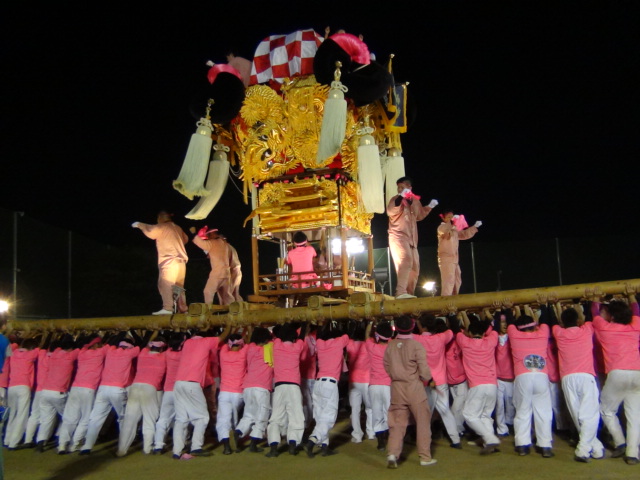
x=392, y=461
x=426, y=463
x=405, y=296
x=356, y=440
x=164, y=311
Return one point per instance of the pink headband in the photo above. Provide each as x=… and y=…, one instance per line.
x=235, y=343
x=413, y=325
x=94, y=341
x=299, y=244
x=158, y=344
x=124, y=344
x=528, y=325
x=380, y=337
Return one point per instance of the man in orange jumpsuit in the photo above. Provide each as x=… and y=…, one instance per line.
x=404, y=211
x=172, y=258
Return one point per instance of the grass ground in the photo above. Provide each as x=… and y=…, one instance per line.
x=353, y=462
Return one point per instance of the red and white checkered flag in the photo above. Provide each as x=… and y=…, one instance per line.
x=280, y=56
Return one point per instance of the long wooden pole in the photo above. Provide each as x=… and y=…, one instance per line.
x=360, y=305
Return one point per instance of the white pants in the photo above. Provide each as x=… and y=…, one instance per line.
x=505, y=410
x=257, y=408
x=622, y=386
x=51, y=405
x=458, y=395
x=75, y=418
x=325, y=408
x=143, y=403
x=286, y=414
x=229, y=405
x=306, y=387
x=478, y=410
x=558, y=406
x=380, y=396
x=531, y=397
x=18, y=401
x=581, y=393
x=165, y=419
x=107, y=397
x=191, y=407
x=34, y=418
x=358, y=396
x=438, y=397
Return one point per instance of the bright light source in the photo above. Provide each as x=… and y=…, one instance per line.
x=429, y=286
x=4, y=306
x=354, y=245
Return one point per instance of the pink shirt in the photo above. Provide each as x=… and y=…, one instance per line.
x=619, y=343
x=233, y=367
x=435, y=345
x=377, y=373
x=403, y=219
x=89, y=369
x=479, y=358
x=358, y=361
x=449, y=241
x=529, y=349
x=455, y=368
x=61, y=366
x=42, y=368
x=575, y=349
x=170, y=240
x=504, y=360
x=553, y=369
x=117, y=366
x=259, y=373
x=301, y=260
x=331, y=356
x=23, y=366
x=150, y=368
x=309, y=365
x=4, y=375
x=195, y=359
x=286, y=360
x=172, y=359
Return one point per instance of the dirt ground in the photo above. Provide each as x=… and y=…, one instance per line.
x=353, y=461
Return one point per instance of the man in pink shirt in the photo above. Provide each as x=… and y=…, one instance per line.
x=404, y=211
x=112, y=393
x=358, y=362
x=172, y=258
x=55, y=388
x=505, y=409
x=289, y=350
x=308, y=375
x=233, y=368
x=217, y=250
x=574, y=338
x=257, y=387
x=143, y=401
x=77, y=410
x=456, y=377
x=617, y=329
x=478, y=343
x=42, y=371
x=448, y=261
x=531, y=396
x=300, y=259
x=190, y=403
x=379, y=381
x=405, y=360
x=434, y=337
x=330, y=347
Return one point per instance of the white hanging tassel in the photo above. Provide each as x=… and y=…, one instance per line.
x=190, y=182
x=370, y=173
x=334, y=120
x=216, y=183
x=394, y=169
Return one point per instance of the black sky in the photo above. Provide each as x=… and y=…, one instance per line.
x=526, y=112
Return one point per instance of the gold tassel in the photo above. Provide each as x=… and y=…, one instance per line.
x=370, y=171
x=334, y=120
x=216, y=183
x=190, y=182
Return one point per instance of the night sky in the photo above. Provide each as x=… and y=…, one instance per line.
x=526, y=113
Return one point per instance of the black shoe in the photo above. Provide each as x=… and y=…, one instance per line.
x=631, y=460
x=85, y=452
x=382, y=441
x=253, y=446
x=457, y=446
x=273, y=452
x=200, y=453
x=582, y=459
x=309, y=448
x=523, y=450
x=293, y=448
x=619, y=451
x=489, y=448
x=327, y=452
x=24, y=445
x=40, y=447
x=227, y=447
x=237, y=438
x=158, y=451
x=175, y=456
x=547, y=453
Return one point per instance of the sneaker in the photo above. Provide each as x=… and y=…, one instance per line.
x=293, y=448
x=547, y=452
x=85, y=452
x=356, y=440
x=582, y=459
x=405, y=296
x=327, y=452
x=631, y=460
x=158, y=451
x=523, y=450
x=426, y=463
x=120, y=454
x=619, y=451
x=309, y=448
x=200, y=453
x=490, y=448
x=164, y=311
x=392, y=461
x=457, y=446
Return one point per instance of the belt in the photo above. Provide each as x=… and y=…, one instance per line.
x=327, y=379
